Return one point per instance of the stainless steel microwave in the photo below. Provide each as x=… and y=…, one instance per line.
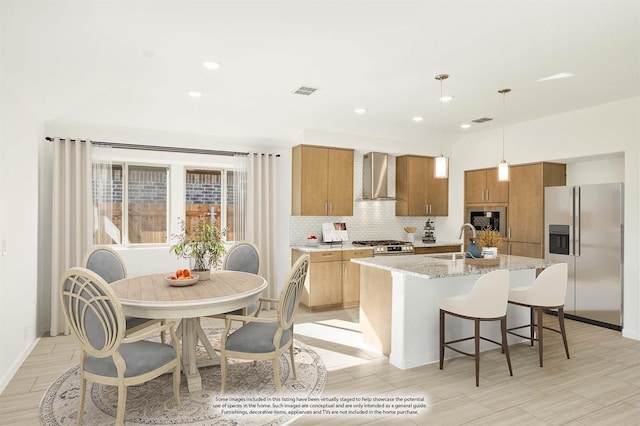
x=482, y=217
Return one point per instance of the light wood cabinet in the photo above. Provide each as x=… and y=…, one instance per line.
x=322, y=181
x=333, y=281
x=482, y=187
x=525, y=213
x=418, y=192
x=351, y=276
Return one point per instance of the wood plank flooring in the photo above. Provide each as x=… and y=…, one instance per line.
x=599, y=385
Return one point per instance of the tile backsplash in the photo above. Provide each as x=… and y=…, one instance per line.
x=371, y=220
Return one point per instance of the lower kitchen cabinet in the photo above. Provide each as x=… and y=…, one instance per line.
x=438, y=249
x=333, y=281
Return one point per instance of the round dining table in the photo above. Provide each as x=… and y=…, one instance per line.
x=151, y=296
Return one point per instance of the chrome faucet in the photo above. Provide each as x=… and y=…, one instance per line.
x=473, y=230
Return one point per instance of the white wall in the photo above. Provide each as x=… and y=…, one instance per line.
x=610, y=131
x=20, y=132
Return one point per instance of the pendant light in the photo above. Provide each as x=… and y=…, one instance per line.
x=503, y=166
x=441, y=170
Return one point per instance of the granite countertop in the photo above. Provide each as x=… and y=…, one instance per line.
x=443, y=266
x=348, y=246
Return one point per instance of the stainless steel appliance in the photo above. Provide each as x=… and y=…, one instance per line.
x=374, y=176
x=386, y=247
x=488, y=216
x=584, y=226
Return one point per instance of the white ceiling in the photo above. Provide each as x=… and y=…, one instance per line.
x=131, y=64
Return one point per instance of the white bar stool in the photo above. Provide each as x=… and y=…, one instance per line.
x=548, y=291
x=487, y=301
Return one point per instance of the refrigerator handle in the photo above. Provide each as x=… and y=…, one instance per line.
x=578, y=222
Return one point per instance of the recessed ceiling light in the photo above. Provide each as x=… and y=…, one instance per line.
x=418, y=118
x=211, y=65
x=360, y=110
x=195, y=94
x=446, y=98
x=465, y=125
x=557, y=76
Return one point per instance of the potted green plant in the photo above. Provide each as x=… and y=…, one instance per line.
x=203, y=244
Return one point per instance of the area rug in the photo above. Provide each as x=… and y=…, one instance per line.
x=152, y=403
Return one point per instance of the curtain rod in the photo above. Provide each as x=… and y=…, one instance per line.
x=160, y=148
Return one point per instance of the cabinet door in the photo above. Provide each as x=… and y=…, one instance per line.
x=417, y=184
x=497, y=192
x=526, y=250
x=325, y=281
x=315, y=178
x=340, y=182
x=525, y=212
x=351, y=276
x=475, y=186
x=437, y=191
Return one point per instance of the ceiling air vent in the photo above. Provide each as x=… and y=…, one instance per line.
x=482, y=120
x=304, y=90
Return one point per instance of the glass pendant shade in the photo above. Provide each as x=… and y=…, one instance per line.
x=441, y=167
x=503, y=171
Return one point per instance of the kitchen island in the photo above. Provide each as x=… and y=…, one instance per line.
x=400, y=299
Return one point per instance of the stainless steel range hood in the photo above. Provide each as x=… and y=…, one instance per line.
x=374, y=176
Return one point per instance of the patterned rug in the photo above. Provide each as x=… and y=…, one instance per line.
x=152, y=403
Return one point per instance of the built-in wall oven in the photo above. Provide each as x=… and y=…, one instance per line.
x=482, y=217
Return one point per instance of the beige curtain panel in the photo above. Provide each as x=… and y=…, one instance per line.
x=261, y=214
x=71, y=217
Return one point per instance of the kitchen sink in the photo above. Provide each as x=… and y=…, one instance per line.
x=448, y=256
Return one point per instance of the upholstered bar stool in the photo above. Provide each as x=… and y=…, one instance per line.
x=547, y=292
x=487, y=301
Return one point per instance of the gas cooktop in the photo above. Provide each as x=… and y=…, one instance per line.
x=387, y=246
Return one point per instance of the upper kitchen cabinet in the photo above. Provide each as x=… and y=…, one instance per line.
x=482, y=187
x=322, y=181
x=526, y=205
x=418, y=192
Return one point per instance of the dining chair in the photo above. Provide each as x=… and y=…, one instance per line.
x=243, y=256
x=262, y=338
x=487, y=301
x=108, y=356
x=109, y=265
x=548, y=292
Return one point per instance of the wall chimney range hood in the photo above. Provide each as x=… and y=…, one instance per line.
x=374, y=176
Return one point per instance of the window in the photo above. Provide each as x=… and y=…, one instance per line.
x=144, y=192
x=210, y=194
x=135, y=198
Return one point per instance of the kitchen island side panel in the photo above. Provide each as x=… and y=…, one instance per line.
x=375, y=309
x=415, y=328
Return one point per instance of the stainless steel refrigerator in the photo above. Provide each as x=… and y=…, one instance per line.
x=584, y=227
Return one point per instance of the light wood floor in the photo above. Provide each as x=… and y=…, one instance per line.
x=599, y=385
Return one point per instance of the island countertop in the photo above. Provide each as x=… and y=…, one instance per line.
x=448, y=265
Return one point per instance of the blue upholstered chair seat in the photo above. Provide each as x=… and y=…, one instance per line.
x=140, y=357
x=256, y=337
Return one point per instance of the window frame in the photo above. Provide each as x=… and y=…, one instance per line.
x=177, y=164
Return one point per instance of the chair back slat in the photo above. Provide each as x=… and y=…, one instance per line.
x=290, y=294
x=243, y=257
x=93, y=311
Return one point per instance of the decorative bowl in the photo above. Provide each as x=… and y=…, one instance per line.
x=312, y=241
x=180, y=282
